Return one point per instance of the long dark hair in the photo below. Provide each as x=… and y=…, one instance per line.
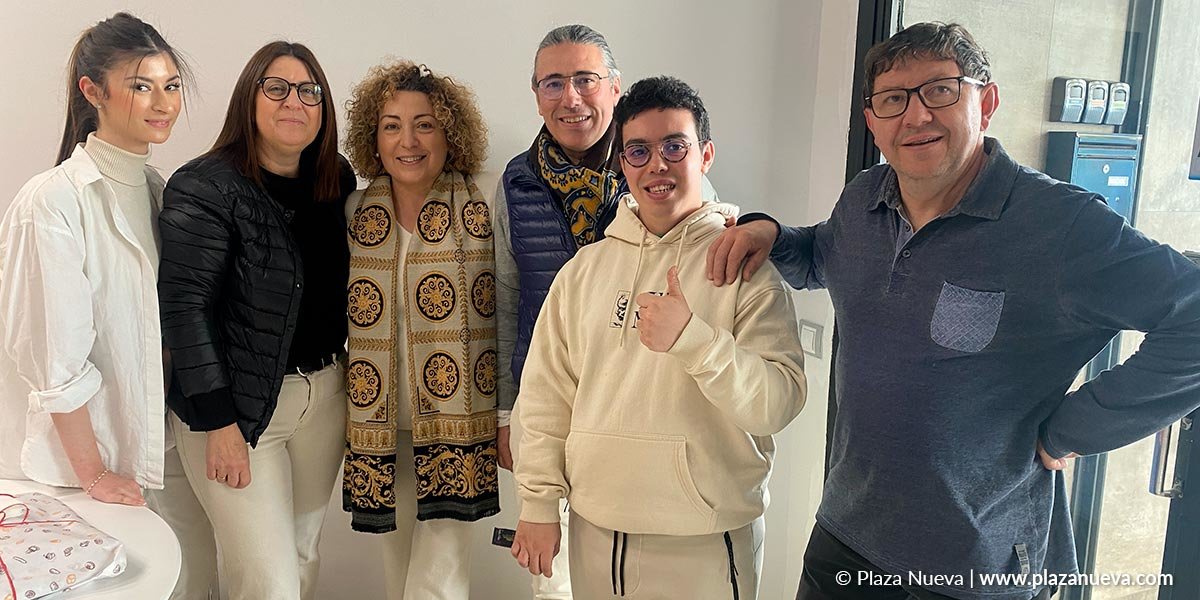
x=102, y=47
x=238, y=140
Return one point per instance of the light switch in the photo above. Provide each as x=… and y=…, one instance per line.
x=810, y=338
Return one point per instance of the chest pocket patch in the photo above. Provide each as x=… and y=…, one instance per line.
x=964, y=319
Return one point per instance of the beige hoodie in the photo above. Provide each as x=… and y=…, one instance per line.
x=674, y=443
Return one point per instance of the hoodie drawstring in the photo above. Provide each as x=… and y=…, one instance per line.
x=631, y=303
x=631, y=307
x=679, y=248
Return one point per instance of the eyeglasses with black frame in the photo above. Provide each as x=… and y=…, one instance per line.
x=278, y=88
x=673, y=151
x=938, y=93
x=585, y=82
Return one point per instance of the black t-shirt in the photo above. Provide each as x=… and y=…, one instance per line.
x=319, y=231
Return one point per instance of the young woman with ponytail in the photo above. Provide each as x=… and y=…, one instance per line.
x=82, y=378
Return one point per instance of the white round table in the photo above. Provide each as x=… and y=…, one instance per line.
x=151, y=549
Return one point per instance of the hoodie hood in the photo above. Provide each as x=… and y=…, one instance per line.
x=627, y=225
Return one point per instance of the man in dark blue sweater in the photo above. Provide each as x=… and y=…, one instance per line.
x=969, y=292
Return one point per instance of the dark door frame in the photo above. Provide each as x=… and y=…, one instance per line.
x=876, y=22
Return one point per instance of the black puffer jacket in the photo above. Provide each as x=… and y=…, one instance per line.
x=229, y=284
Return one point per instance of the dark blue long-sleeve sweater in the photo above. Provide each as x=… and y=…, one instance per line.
x=958, y=346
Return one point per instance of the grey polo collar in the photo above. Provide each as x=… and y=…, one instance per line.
x=986, y=196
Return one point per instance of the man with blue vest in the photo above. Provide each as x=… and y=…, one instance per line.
x=553, y=199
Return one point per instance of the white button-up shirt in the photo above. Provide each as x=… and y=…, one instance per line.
x=79, y=324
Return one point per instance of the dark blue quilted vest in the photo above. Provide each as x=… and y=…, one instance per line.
x=541, y=243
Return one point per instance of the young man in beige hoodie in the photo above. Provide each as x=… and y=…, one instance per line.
x=655, y=423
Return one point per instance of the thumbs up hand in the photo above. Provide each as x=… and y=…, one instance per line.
x=662, y=318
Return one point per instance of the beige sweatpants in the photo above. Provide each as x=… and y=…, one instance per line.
x=268, y=531
x=176, y=503
x=610, y=564
x=424, y=560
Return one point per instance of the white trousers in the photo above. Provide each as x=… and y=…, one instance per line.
x=268, y=532
x=176, y=503
x=424, y=560
x=559, y=586
x=610, y=564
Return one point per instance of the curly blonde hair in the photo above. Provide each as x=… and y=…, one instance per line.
x=454, y=107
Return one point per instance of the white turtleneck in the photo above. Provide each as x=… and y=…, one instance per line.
x=126, y=173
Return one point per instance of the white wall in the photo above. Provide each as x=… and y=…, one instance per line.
x=775, y=75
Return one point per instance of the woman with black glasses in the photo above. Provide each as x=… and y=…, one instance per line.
x=254, y=268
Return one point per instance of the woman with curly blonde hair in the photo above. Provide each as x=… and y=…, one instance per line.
x=421, y=452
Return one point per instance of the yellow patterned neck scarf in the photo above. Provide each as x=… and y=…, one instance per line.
x=585, y=188
x=447, y=321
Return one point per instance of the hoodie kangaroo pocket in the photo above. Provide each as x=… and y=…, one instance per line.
x=636, y=483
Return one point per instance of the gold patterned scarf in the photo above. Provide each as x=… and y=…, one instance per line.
x=585, y=189
x=447, y=321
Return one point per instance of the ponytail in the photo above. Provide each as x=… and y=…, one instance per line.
x=100, y=48
x=82, y=117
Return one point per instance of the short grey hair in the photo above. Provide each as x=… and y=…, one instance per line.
x=577, y=34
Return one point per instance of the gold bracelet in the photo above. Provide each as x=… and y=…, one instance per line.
x=91, y=485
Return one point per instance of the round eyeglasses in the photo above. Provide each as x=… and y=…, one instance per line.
x=637, y=155
x=585, y=82
x=278, y=88
x=938, y=93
